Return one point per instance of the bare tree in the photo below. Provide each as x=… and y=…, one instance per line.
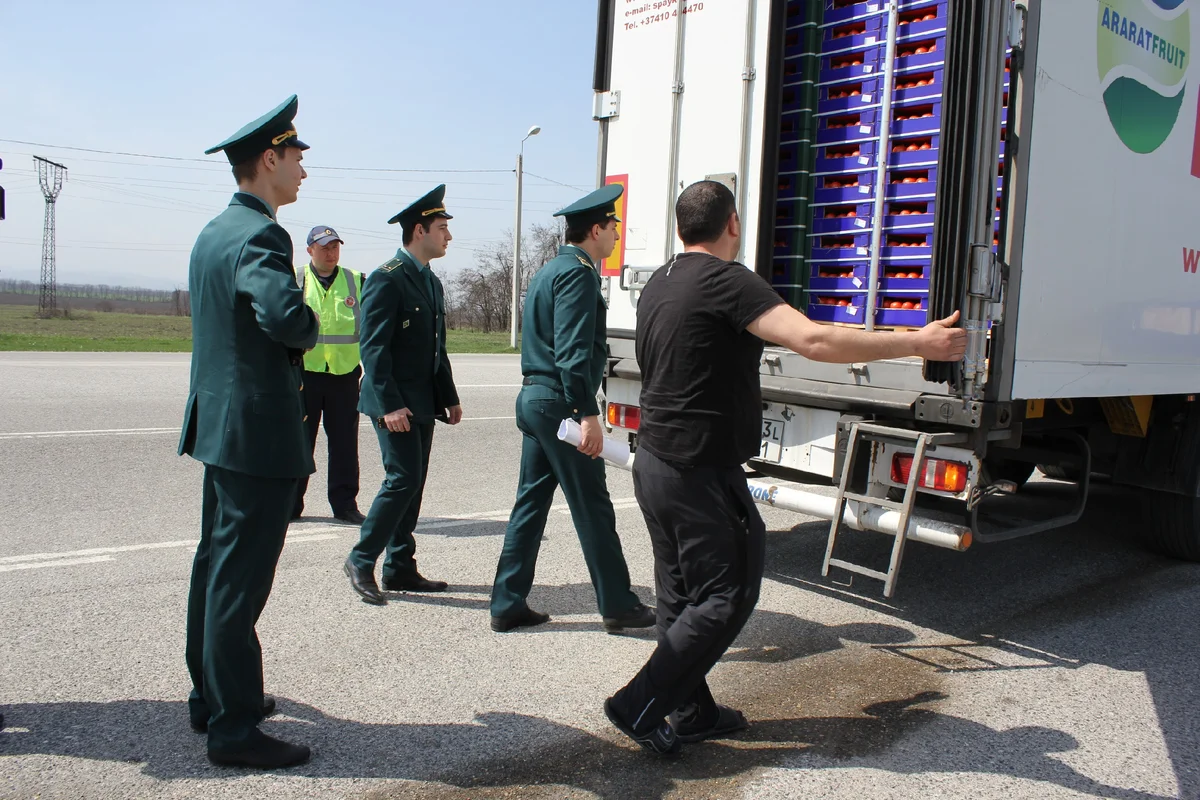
x=480, y=297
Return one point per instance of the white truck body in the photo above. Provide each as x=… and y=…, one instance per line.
x=1101, y=239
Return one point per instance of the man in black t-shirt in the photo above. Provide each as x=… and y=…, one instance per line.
x=702, y=321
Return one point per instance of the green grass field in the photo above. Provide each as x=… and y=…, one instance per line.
x=20, y=329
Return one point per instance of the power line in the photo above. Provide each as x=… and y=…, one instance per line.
x=207, y=161
x=551, y=180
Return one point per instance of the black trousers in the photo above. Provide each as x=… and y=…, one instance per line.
x=709, y=543
x=334, y=400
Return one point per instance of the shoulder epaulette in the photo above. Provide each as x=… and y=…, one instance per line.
x=390, y=264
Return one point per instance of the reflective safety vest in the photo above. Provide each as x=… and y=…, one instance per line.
x=337, y=342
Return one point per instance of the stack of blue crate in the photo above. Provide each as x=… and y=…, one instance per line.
x=846, y=146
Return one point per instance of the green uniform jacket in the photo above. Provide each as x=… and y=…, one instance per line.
x=249, y=327
x=403, y=344
x=565, y=325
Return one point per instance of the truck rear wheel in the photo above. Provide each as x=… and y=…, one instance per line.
x=1174, y=528
x=1059, y=473
x=1016, y=471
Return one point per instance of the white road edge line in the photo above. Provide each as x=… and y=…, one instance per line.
x=317, y=533
x=158, y=431
x=61, y=562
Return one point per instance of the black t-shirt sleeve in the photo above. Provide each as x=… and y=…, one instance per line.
x=742, y=296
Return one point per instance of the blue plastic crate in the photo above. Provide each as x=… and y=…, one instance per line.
x=792, y=127
x=844, y=156
x=788, y=241
x=847, y=276
x=909, y=120
x=907, y=245
x=908, y=214
x=852, y=34
x=828, y=192
x=918, y=85
x=851, y=314
x=841, y=246
x=848, y=126
x=794, y=72
x=909, y=55
x=848, y=65
x=925, y=150
x=833, y=219
x=838, y=12
x=896, y=318
x=848, y=96
x=912, y=20
x=911, y=182
x=893, y=277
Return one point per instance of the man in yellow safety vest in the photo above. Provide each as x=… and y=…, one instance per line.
x=332, y=370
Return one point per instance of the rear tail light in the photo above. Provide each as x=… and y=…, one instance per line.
x=936, y=474
x=623, y=416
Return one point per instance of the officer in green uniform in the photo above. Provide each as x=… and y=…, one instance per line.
x=407, y=385
x=563, y=356
x=244, y=421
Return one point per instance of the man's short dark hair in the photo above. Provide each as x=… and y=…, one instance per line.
x=409, y=229
x=248, y=170
x=579, y=226
x=702, y=212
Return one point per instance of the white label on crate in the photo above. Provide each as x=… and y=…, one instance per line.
x=852, y=310
x=866, y=98
x=872, y=7
x=864, y=190
x=857, y=283
x=870, y=40
x=864, y=160
x=868, y=69
x=862, y=251
x=860, y=222
x=864, y=128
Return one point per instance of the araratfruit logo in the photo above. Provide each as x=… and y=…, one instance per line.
x=1143, y=53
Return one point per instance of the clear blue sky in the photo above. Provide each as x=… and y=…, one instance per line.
x=398, y=86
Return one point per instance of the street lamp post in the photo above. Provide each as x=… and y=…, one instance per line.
x=516, y=287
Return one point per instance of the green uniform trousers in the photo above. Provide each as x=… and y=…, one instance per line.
x=546, y=464
x=244, y=519
x=393, y=516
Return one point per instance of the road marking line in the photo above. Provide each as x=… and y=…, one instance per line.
x=97, y=551
x=319, y=533
x=62, y=562
x=320, y=537
x=100, y=432
x=157, y=431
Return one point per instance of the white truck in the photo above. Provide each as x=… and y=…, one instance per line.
x=1076, y=270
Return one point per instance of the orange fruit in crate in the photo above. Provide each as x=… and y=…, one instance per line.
x=908, y=305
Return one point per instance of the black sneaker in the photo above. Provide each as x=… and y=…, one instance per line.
x=639, y=616
x=661, y=741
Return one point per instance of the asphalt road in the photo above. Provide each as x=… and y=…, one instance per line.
x=1062, y=666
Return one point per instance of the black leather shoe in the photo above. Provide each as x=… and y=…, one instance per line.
x=364, y=583
x=201, y=726
x=264, y=752
x=637, y=617
x=352, y=517
x=413, y=583
x=661, y=741
x=526, y=619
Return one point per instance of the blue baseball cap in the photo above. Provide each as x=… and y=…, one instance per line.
x=323, y=235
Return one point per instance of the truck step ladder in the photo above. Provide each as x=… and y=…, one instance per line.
x=867, y=436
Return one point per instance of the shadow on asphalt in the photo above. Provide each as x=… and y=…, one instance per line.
x=814, y=700
x=1092, y=593
x=500, y=752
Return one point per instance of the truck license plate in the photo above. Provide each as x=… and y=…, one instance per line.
x=772, y=440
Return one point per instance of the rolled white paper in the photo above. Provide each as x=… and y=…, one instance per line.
x=616, y=453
